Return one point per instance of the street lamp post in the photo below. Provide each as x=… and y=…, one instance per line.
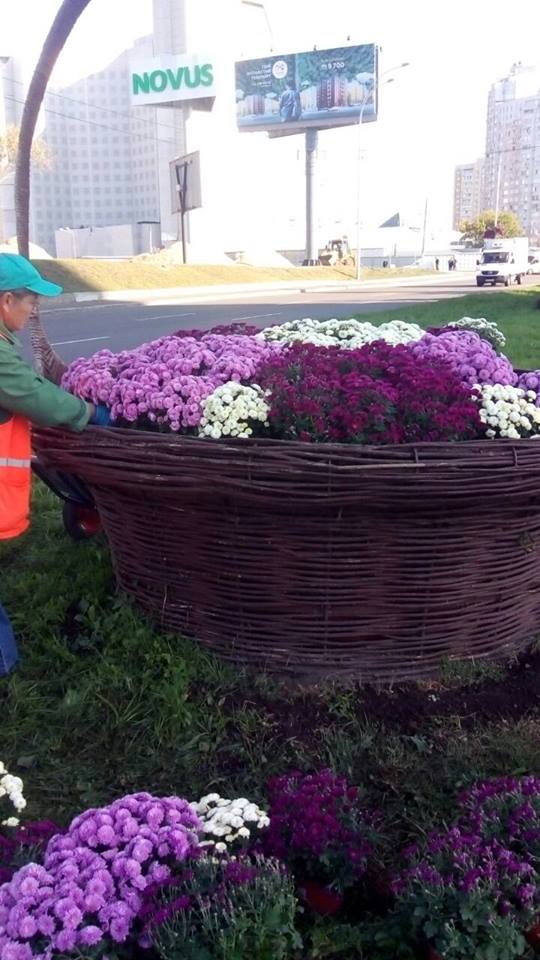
x=365, y=101
x=359, y=196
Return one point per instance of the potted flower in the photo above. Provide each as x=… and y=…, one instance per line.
x=88, y=891
x=507, y=809
x=224, y=908
x=466, y=897
x=319, y=828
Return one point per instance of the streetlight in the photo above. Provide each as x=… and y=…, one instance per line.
x=260, y=5
x=365, y=101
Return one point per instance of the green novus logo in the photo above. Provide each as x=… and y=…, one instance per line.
x=188, y=78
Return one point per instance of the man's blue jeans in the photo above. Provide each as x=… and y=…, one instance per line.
x=9, y=655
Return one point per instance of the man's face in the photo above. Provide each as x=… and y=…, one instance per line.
x=15, y=310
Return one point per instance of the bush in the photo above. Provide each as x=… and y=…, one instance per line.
x=377, y=394
x=470, y=357
x=467, y=896
x=89, y=890
x=484, y=328
x=225, y=909
x=506, y=810
x=318, y=827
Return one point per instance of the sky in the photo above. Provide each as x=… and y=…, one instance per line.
x=432, y=115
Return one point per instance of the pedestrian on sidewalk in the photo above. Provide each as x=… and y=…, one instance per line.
x=437, y=263
x=25, y=398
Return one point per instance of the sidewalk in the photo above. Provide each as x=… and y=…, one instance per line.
x=212, y=292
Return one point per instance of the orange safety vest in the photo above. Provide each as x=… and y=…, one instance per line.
x=15, y=476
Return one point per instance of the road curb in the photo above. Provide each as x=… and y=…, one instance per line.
x=216, y=291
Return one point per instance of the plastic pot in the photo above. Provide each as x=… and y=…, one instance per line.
x=321, y=899
x=532, y=936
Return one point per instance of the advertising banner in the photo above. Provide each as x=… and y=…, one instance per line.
x=318, y=88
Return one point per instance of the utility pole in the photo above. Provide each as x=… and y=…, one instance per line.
x=424, y=231
x=498, y=190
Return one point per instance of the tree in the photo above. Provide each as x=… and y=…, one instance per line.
x=506, y=221
x=41, y=155
x=62, y=25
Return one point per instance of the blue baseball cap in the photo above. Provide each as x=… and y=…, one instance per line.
x=17, y=273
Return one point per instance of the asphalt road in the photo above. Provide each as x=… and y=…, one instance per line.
x=81, y=330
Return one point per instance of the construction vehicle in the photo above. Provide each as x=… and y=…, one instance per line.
x=337, y=252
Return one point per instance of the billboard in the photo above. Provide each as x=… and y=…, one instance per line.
x=318, y=88
x=172, y=78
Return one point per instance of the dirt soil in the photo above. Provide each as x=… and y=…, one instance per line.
x=508, y=698
x=408, y=708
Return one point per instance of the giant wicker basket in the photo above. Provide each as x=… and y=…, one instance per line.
x=323, y=561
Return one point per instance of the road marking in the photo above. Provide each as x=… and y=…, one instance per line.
x=255, y=316
x=165, y=316
x=64, y=343
x=96, y=306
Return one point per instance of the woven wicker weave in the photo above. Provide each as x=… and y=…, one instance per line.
x=365, y=563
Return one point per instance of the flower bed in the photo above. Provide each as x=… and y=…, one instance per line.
x=137, y=879
x=312, y=508
x=345, y=381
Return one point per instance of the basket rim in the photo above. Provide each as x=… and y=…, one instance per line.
x=129, y=433
x=497, y=453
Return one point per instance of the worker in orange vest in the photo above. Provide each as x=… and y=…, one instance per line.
x=25, y=398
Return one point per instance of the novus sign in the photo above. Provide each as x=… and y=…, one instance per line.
x=168, y=79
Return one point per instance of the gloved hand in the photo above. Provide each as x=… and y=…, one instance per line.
x=101, y=416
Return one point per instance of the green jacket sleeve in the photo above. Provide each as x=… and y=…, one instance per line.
x=23, y=391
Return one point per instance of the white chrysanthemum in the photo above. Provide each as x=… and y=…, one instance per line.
x=226, y=821
x=232, y=410
x=12, y=789
x=351, y=334
x=508, y=412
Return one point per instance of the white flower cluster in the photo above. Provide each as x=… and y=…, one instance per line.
x=231, y=410
x=350, y=334
x=508, y=411
x=11, y=788
x=227, y=821
x=484, y=328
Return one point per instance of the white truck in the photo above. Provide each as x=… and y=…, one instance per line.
x=504, y=260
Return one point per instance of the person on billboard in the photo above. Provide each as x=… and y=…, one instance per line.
x=290, y=107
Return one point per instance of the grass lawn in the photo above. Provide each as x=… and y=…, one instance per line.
x=516, y=312
x=86, y=275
